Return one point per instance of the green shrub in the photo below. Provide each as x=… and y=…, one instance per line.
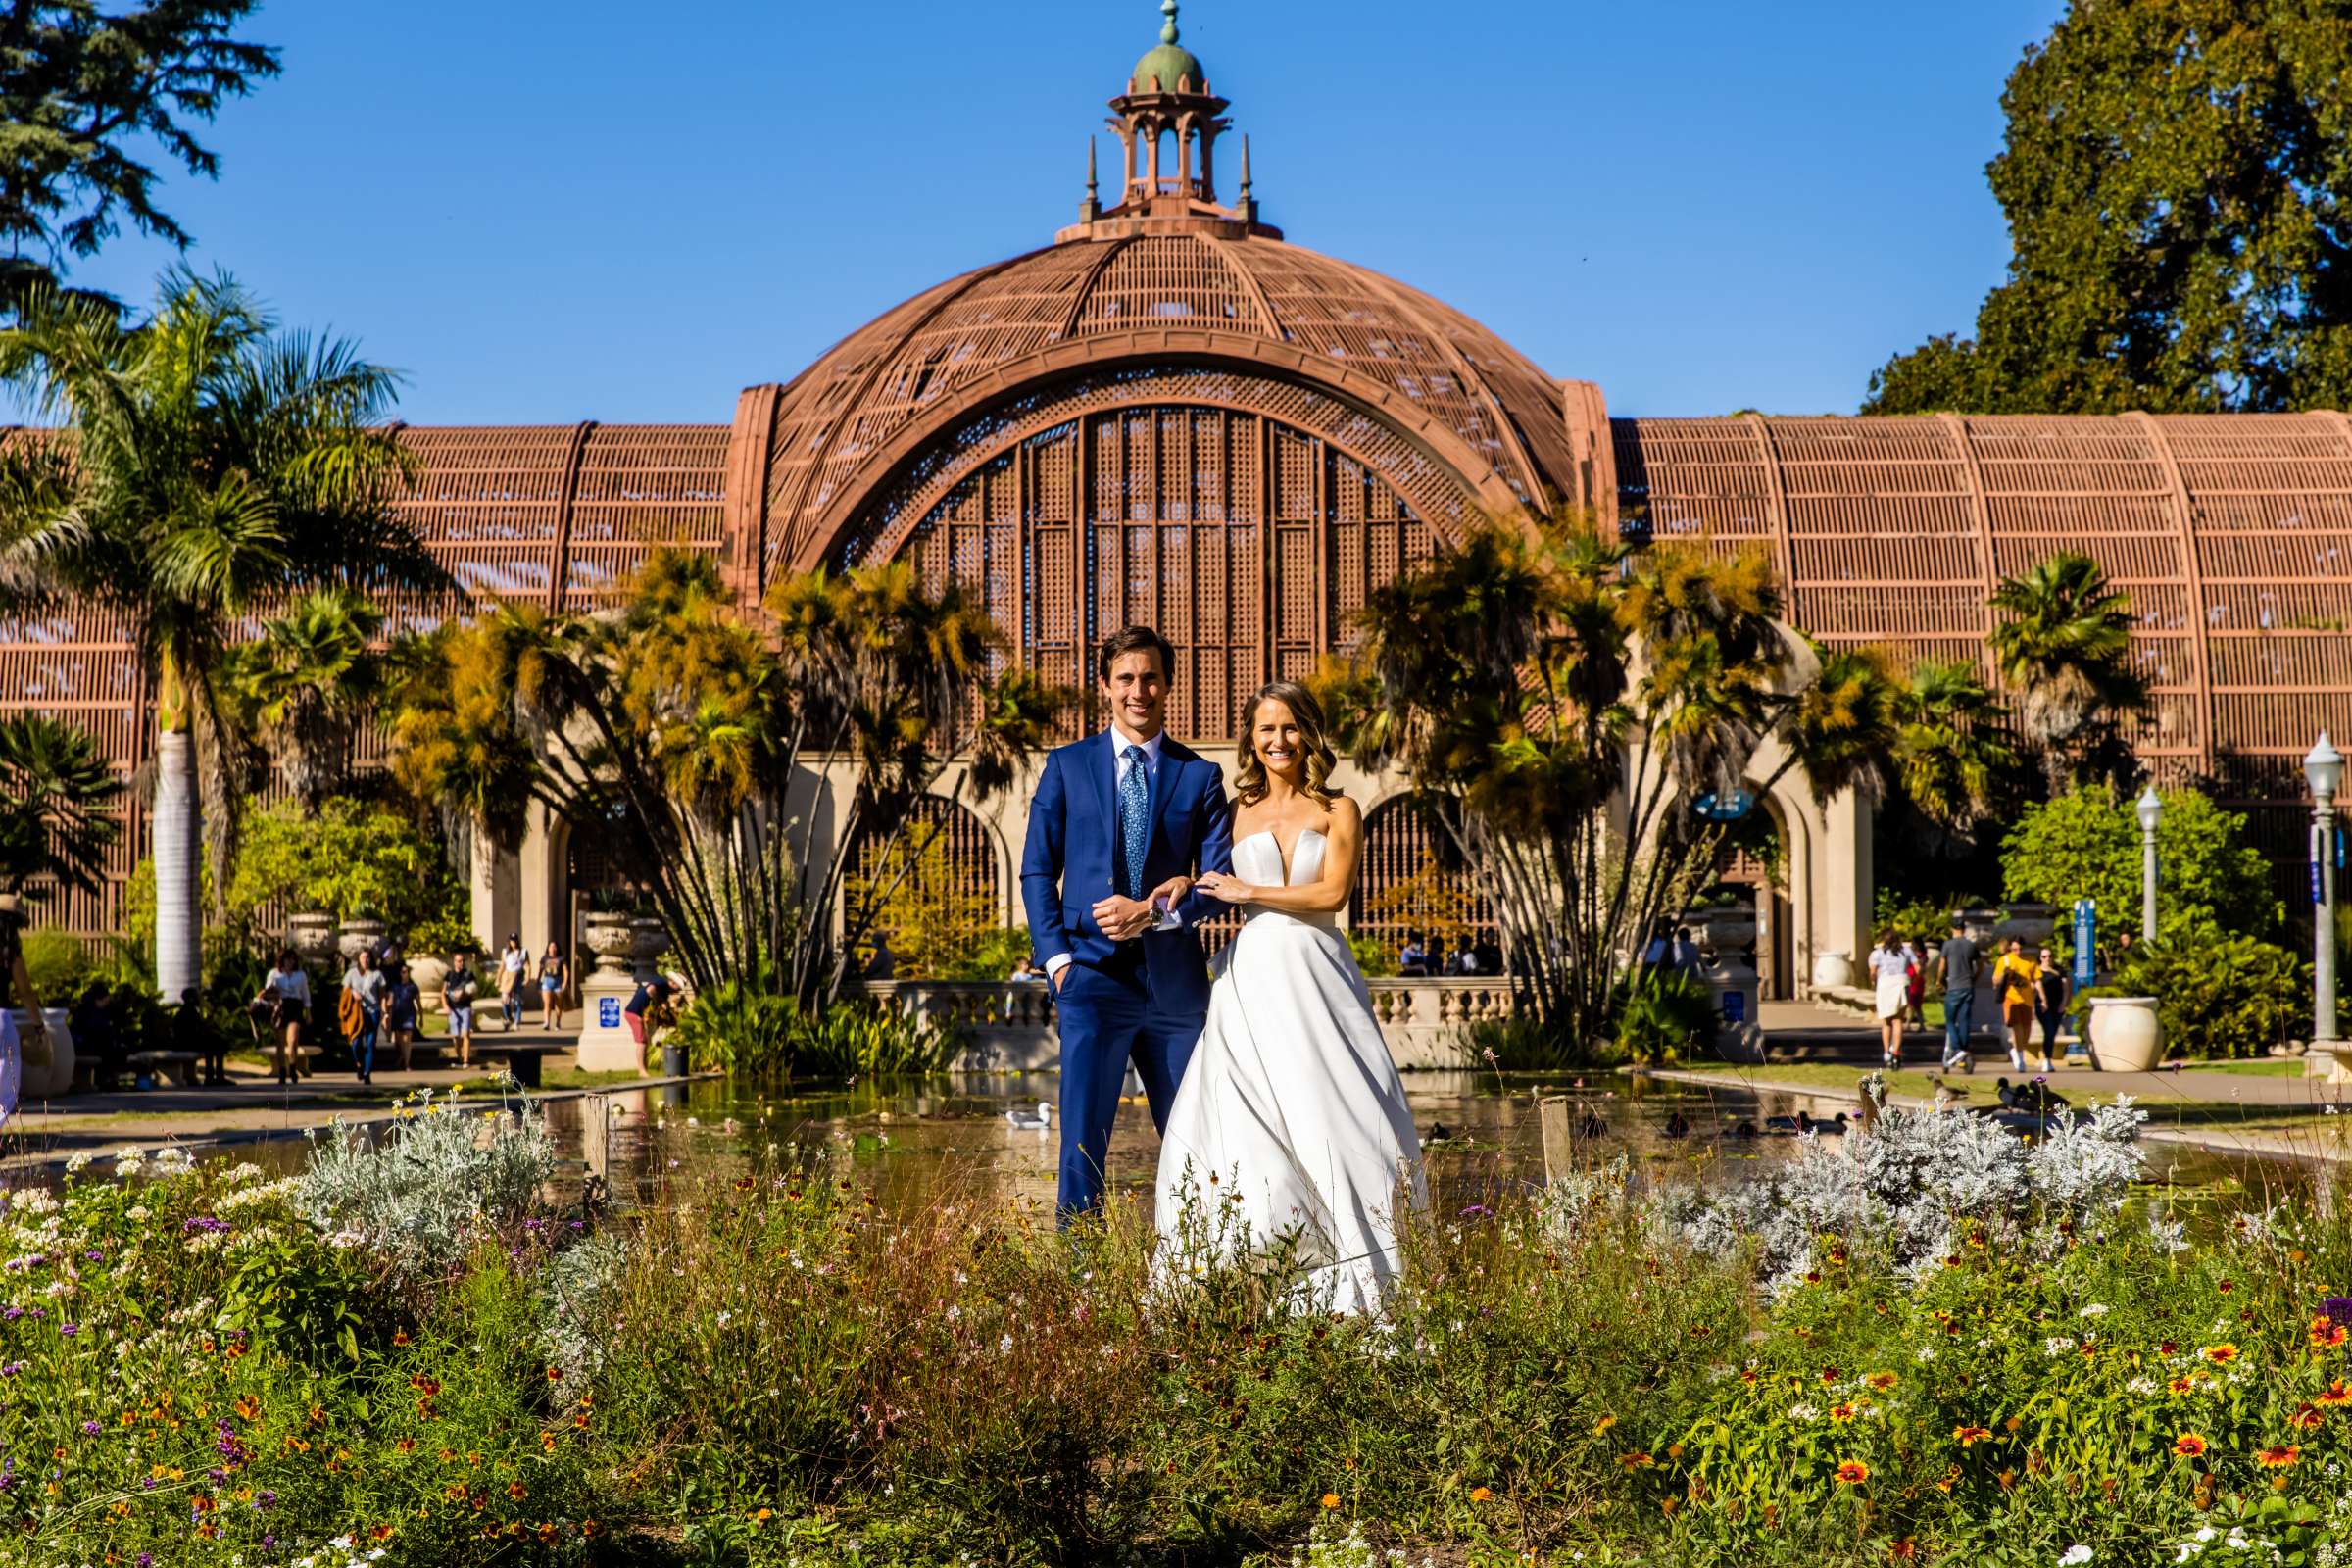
x=59, y=963
x=990, y=956
x=1670, y=1014
x=2086, y=845
x=1530, y=1045
x=746, y=1030
x=1375, y=958
x=2218, y=994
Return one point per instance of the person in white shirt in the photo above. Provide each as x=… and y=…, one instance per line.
x=513, y=964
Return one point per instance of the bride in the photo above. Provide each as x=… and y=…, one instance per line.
x=1292, y=1112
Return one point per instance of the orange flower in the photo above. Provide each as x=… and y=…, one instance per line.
x=1638, y=1459
x=1853, y=1472
x=547, y=1441
x=517, y=1490
x=1331, y=1500
x=1882, y=1380
x=2279, y=1457
x=248, y=1407
x=1603, y=1425
x=1842, y=1413
x=405, y=1446
x=2181, y=1386
x=1969, y=1436
x=400, y=1336
x=379, y=1532
x=2335, y=1394
x=2308, y=1416
x=2189, y=1446
x=555, y=1374
x=2219, y=1354
x=2327, y=1333
x=1903, y=1550
x=1480, y=1494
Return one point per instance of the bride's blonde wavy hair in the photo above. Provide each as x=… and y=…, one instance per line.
x=1250, y=786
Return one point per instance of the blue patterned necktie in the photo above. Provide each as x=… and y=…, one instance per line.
x=1134, y=814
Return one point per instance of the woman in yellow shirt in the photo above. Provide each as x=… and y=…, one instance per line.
x=2014, y=979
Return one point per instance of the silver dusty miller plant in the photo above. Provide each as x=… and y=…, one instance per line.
x=1920, y=1184
x=420, y=1199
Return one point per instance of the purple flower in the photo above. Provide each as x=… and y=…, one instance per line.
x=1475, y=1211
x=95, y=1256
x=146, y=1560
x=11, y=1369
x=7, y=1475
x=13, y=1313
x=217, y=1477
x=268, y=1540
x=2337, y=1309
x=266, y=1499
x=147, y=1485
x=69, y=1329
x=92, y=1428
x=36, y=1313
x=203, y=1222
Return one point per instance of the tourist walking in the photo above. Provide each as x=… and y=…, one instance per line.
x=1891, y=970
x=2051, y=993
x=402, y=1005
x=364, y=991
x=2013, y=982
x=552, y=969
x=1919, y=982
x=514, y=965
x=287, y=998
x=459, y=991
x=1960, y=963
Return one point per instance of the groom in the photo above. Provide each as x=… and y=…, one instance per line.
x=1116, y=817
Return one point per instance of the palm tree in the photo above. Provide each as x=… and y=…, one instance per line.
x=211, y=466
x=304, y=688
x=2065, y=649
x=1953, y=752
x=58, y=798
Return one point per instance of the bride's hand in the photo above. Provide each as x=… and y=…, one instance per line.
x=1225, y=889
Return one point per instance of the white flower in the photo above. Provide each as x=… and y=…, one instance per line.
x=1004, y=1344
x=2095, y=1309
x=2143, y=1386
x=1801, y=1411
x=2059, y=1344
x=1926, y=1352
x=79, y=1161
x=2076, y=1554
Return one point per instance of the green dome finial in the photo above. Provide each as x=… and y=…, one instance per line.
x=1170, y=65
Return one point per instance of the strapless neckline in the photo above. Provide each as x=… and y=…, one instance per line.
x=1285, y=860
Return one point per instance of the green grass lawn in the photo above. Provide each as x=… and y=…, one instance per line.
x=2255, y=1067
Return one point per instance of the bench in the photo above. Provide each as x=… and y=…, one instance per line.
x=166, y=1066
x=521, y=1060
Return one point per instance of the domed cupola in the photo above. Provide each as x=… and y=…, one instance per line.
x=1168, y=122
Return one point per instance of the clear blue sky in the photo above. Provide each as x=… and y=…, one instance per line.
x=547, y=212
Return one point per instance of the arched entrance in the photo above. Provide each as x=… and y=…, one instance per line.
x=934, y=894
x=1413, y=884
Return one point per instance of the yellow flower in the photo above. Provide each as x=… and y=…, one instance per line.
x=1480, y=1494
x=1331, y=1500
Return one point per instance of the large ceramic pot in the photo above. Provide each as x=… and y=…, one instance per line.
x=360, y=936
x=652, y=940
x=2032, y=924
x=1725, y=928
x=1981, y=926
x=311, y=933
x=1833, y=970
x=429, y=973
x=614, y=940
x=2124, y=1035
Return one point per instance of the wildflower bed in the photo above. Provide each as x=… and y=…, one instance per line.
x=1940, y=1345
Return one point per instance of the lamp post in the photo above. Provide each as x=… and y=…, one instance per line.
x=2325, y=768
x=2151, y=810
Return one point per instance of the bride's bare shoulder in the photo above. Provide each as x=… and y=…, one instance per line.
x=1343, y=811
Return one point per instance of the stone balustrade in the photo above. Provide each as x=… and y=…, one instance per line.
x=1007, y=1026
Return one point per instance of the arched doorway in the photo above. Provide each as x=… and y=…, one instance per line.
x=1752, y=865
x=1413, y=882
x=930, y=899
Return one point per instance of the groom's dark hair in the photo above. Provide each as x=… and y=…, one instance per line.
x=1134, y=640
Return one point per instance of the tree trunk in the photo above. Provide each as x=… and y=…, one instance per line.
x=179, y=863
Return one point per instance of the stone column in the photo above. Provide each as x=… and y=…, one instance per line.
x=497, y=889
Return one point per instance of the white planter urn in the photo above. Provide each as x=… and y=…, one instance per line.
x=2125, y=1034
x=360, y=936
x=311, y=933
x=1833, y=970
x=613, y=941
x=650, y=941
x=429, y=973
x=49, y=1064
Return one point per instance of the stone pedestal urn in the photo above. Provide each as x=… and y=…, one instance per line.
x=2032, y=924
x=652, y=940
x=311, y=933
x=364, y=935
x=428, y=972
x=1832, y=969
x=613, y=941
x=2125, y=1034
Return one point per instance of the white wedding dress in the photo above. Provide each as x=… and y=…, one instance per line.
x=1291, y=1102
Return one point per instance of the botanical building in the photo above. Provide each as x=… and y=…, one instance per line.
x=1173, y=415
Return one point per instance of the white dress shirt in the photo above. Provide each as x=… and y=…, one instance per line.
x=1120, y=741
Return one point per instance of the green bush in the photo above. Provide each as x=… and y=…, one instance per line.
x=1375, y=958
x=1531, y=1045
x=1670, y=1014
x=1927, y=919
x=990, y=956
x=749, y=1031
x=2086, y=845
x=2218, y=994
x=59, y=963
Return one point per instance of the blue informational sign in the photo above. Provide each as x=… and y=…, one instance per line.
x=1724, y=807
x=2087, y=939
x=1734, y=1007
x=607, y=1013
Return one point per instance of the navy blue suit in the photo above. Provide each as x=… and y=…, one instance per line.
x=1145, y=999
